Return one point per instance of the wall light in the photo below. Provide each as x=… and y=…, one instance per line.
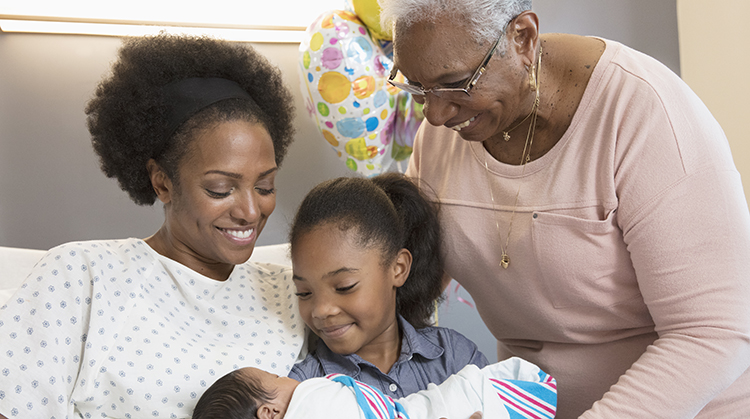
x=248, y=20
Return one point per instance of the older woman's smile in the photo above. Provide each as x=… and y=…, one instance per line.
x=464, y=124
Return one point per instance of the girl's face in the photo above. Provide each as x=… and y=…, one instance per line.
x=346, y=296
x=222, y=201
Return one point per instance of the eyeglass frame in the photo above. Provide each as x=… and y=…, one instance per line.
x=437, y=91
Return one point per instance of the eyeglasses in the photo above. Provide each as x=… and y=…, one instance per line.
x=439, y=91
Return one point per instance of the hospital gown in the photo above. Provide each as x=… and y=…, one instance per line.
x=114, y=329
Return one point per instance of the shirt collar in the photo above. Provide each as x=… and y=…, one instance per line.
x=413, y=342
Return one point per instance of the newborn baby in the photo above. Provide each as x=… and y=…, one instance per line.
x=501, y=390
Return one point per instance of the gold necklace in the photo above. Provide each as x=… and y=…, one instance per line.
x=506, y=134
x=525, y=158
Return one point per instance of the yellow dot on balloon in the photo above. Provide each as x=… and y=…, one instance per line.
x=330, y=138
x=384, y=114
x=317, y=68
x=342, y=110
x=366, y=111
x=306, y=59
x=316, y=41
x=334, y=87
x=339, y=153
x=372, y=136
x=371, y=167
x=357, y=148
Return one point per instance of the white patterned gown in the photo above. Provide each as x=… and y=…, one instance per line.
x=113, y=329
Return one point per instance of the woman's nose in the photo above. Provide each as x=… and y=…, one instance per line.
x=246, y=207
x=437, y=110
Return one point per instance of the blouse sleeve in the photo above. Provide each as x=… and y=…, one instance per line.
x=43, y=328
x=686, y=225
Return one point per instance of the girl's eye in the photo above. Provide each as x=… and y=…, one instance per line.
x=347, y=288
x=302, y=295
x=218, y=195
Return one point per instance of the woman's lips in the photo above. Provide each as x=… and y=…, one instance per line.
x=239, y=236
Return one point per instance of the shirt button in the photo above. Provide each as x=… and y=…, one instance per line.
x=393, y=388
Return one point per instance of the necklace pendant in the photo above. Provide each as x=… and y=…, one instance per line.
x=506, y=136
x=505, y=261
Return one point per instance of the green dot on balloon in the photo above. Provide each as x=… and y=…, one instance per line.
x=366, y=111
x=323, y=109
x=342, y=110
x=351, y=164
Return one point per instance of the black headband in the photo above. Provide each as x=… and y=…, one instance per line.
x=184, y=98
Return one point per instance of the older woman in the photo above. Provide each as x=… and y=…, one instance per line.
x=591, y=208
x=135, y=328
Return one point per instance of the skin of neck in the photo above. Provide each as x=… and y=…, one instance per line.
x=384, y=351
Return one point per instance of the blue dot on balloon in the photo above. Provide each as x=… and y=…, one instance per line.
x=380, y=98
x=351, y=127
x=356, y=104
x=309, y=77
x=359, y=50
x=372, y=123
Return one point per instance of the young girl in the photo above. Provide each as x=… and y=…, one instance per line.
x=368, y=271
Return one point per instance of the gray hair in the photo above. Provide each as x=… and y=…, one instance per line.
x=487, y=17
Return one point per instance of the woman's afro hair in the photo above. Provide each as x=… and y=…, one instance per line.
x=127, y=115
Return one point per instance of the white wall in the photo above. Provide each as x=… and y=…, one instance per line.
x=714, y=56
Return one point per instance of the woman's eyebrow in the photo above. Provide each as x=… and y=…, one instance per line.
x=237, y=175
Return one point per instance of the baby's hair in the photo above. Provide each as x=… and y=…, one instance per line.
x=233, y=396
x=387, y=212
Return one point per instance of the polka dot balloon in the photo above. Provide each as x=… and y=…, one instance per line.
x=343, y=77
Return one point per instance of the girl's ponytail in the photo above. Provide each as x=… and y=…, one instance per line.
x=420, y=228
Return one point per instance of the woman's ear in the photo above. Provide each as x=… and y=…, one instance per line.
x=401, y=267
x=523, y=33
x=160, y=181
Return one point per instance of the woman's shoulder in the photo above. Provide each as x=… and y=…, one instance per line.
x=275, y=276
x=84, y=255
x=122, y=248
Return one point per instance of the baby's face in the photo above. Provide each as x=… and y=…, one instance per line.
x=281, y=388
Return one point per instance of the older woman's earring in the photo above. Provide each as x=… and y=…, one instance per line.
x=532, y=78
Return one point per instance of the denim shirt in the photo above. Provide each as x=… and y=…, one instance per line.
x=428, y=355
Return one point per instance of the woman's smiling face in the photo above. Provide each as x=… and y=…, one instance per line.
x=346, y=294
x=223, y=198
x=434, y=54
